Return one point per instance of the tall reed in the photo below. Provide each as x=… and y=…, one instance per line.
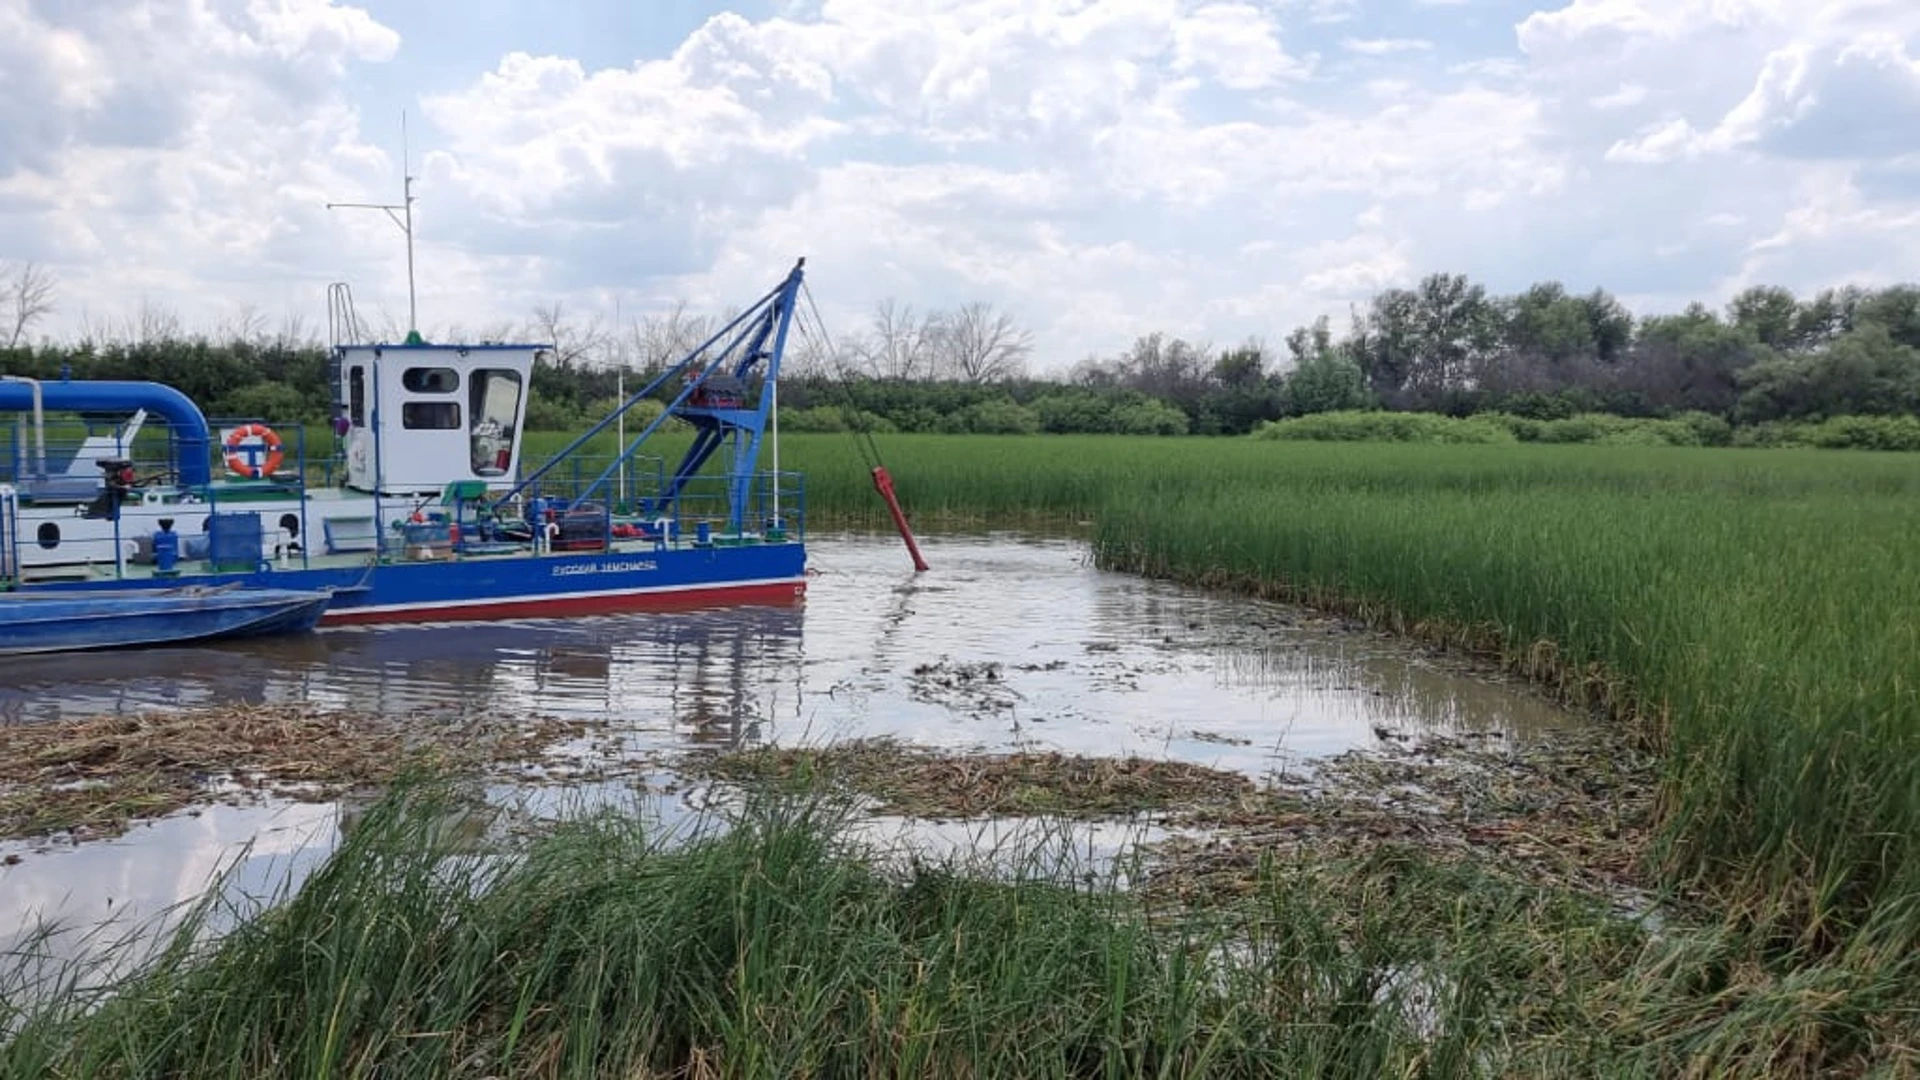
x=1757, y=609
x=776, y=949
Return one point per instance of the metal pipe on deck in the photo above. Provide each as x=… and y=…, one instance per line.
x=192, y=437
x=39, y=423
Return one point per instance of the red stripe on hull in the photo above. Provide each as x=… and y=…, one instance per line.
x=554, y=606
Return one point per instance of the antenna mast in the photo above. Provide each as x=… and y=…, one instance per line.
x=404, y=219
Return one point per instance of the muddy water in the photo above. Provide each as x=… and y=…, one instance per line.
x=1006, y=642
x=1009, y=642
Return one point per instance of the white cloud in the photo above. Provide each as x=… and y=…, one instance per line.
x=1628, y=95
x=165, y=152
x=1385, y=46
x=1862, y=97
x=1660, y=142
x=1238, y=43
x=1325, y=12
x=1364, y=263
x=1101, y=169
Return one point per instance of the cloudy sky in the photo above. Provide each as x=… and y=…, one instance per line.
x=1098, y=168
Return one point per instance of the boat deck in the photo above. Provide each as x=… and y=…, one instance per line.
x=396, y=555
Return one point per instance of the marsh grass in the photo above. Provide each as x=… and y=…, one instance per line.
x=770, y=946
x=1751, y=614
x=1748, y=615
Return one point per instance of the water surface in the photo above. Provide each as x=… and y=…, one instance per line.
x=1009, y=642
x=1006, y=642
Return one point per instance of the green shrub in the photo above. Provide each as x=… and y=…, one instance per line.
x=824, y=418
x=828, y=418
x=1772, y=434
x=1002, y=417
x=1149, y=417
x=1388, y=427
x=1866, y=433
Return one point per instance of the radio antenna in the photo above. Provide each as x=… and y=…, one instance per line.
x=404, y=219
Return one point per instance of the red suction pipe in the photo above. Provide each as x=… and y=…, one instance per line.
x=884, y=485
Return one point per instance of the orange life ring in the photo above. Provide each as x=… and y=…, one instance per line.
x=240, y=463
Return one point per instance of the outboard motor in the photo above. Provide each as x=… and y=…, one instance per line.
x=118, y=479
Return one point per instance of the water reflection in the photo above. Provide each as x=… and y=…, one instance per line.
x=1008, y=642
x=707, y=676
x=121, y=892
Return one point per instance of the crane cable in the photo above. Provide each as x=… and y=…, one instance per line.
x=849, y=406
x=869, y=449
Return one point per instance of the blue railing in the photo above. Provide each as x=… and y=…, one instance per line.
x=52, y=543
x=79, y=520
x=775, y=506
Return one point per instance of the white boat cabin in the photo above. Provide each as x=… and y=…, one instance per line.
x=422, y=416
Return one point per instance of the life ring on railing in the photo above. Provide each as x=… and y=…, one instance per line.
x=240, y=455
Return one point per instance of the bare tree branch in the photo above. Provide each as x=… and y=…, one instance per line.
x=573, y=343
x=247, y=325
x=659, y=340
x=155, y=323
x=979, y=344
x=901, y=346
x=28, y=296
x=293, y=332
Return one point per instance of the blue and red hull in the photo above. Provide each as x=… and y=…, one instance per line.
x=525, y=586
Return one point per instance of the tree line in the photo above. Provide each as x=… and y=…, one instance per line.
x=1446, y=345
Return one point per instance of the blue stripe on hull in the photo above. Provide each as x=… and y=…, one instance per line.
x=443, y=589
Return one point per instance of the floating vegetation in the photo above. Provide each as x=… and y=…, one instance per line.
x=91, y=777
x=1575, y=812
x=920, y=782
x=978, y=687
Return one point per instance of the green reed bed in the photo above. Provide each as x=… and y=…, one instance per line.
x=1752, y=612
x=775, y=948
x=1762, y=620
x=1755, y=612
x=1756, y=609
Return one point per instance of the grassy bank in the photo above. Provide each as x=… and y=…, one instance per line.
x=776, y=949
x=1756, y=609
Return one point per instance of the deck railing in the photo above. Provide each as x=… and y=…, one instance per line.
x=633, y=506
x=55, y=476
x=774, y=507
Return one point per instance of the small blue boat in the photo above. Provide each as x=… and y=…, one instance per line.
x=128, y=618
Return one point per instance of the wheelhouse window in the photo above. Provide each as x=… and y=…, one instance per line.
x=357, y=396
x=493, y=399
x=430, y=380
x=430, y=415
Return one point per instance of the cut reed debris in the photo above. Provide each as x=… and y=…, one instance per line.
x=926, y=783
x=91, y=777
x=1574, y=812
